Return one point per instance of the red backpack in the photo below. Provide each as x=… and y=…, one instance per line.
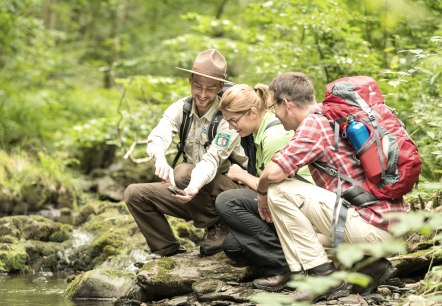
x=389, y=157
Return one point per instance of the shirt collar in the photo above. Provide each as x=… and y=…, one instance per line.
x=315, y=109
x=258, y=137
x=211, y=112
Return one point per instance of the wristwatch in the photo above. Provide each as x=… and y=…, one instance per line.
x=263, y=193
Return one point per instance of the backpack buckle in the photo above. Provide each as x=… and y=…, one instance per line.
x=332, y=172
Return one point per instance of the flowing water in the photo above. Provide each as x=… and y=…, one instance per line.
x=34, y=290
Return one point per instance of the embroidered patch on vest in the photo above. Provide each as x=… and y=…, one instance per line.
x=222, y=140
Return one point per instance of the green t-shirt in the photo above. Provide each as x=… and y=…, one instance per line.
x=269, y=141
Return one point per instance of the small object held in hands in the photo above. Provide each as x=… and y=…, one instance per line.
x=176, y=190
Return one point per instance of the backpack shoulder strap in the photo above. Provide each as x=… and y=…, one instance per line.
x=355, y=195
x=213, y=127
x=216, y=119
x=272, y=123
x=248, y=144
x=184, y=130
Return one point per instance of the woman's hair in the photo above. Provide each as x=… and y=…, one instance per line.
x=241, y=98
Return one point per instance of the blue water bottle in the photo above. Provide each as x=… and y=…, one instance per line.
x=357, y=133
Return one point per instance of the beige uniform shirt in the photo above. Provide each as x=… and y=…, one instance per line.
x=208, y=161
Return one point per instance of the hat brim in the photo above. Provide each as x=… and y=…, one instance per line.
x=204, y=75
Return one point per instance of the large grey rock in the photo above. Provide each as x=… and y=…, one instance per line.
x=172, y=276
x=103, y=284
x=109, y=189
x=216, y=290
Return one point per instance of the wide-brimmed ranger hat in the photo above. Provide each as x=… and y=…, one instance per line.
x=210, y=64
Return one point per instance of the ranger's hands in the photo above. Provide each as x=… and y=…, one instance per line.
x=263, y=209
x=163, y=170
x=191, y=192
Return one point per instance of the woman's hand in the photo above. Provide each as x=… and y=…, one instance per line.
x=236, y=173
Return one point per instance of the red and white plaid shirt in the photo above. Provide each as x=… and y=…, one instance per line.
x=314, y=141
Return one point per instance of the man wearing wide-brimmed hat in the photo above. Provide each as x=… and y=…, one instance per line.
x=201, y=175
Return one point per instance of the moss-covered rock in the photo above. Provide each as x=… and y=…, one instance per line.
x=35, y=193
x=109, y=225
x=14, y=258
x=186, y=231
x=46, y=256
x=32, y=243
x=212, y=290
x=7, y=198
x=8, y=239
x=103, y=284
x=30, y=182
x=29, y=227
x=65, y=233
x=168, y=277
x=85, y=212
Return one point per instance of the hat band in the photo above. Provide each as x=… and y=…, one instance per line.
x=211, y=73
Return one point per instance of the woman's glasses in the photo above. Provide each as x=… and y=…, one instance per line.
x=234, y=121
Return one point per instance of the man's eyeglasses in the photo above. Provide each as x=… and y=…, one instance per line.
x=272, y=107
x=234, y=121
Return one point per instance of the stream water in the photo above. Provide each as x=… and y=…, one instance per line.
x=21, y=290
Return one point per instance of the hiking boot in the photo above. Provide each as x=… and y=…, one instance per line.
x=380, y=272
x=343, y=289
x=180, y=250
x=213, y=239
x=273, y=283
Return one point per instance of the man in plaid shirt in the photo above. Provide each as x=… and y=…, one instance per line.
x=299, y=210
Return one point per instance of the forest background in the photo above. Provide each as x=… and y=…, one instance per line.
x=79, y=78
x=64, y=65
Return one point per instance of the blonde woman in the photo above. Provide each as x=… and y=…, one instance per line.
x=252, y=241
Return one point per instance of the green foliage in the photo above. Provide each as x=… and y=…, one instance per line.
x=432, y=284
x=286, y=35
x=317, y=285
x=141, y=106
x=266, y=299
x=25, y=56
x=349, y=254
x=416, y=93
x=425, y=222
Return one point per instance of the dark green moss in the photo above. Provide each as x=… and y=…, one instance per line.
x=50, y=263
x=63, y=234
x=85, y=212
